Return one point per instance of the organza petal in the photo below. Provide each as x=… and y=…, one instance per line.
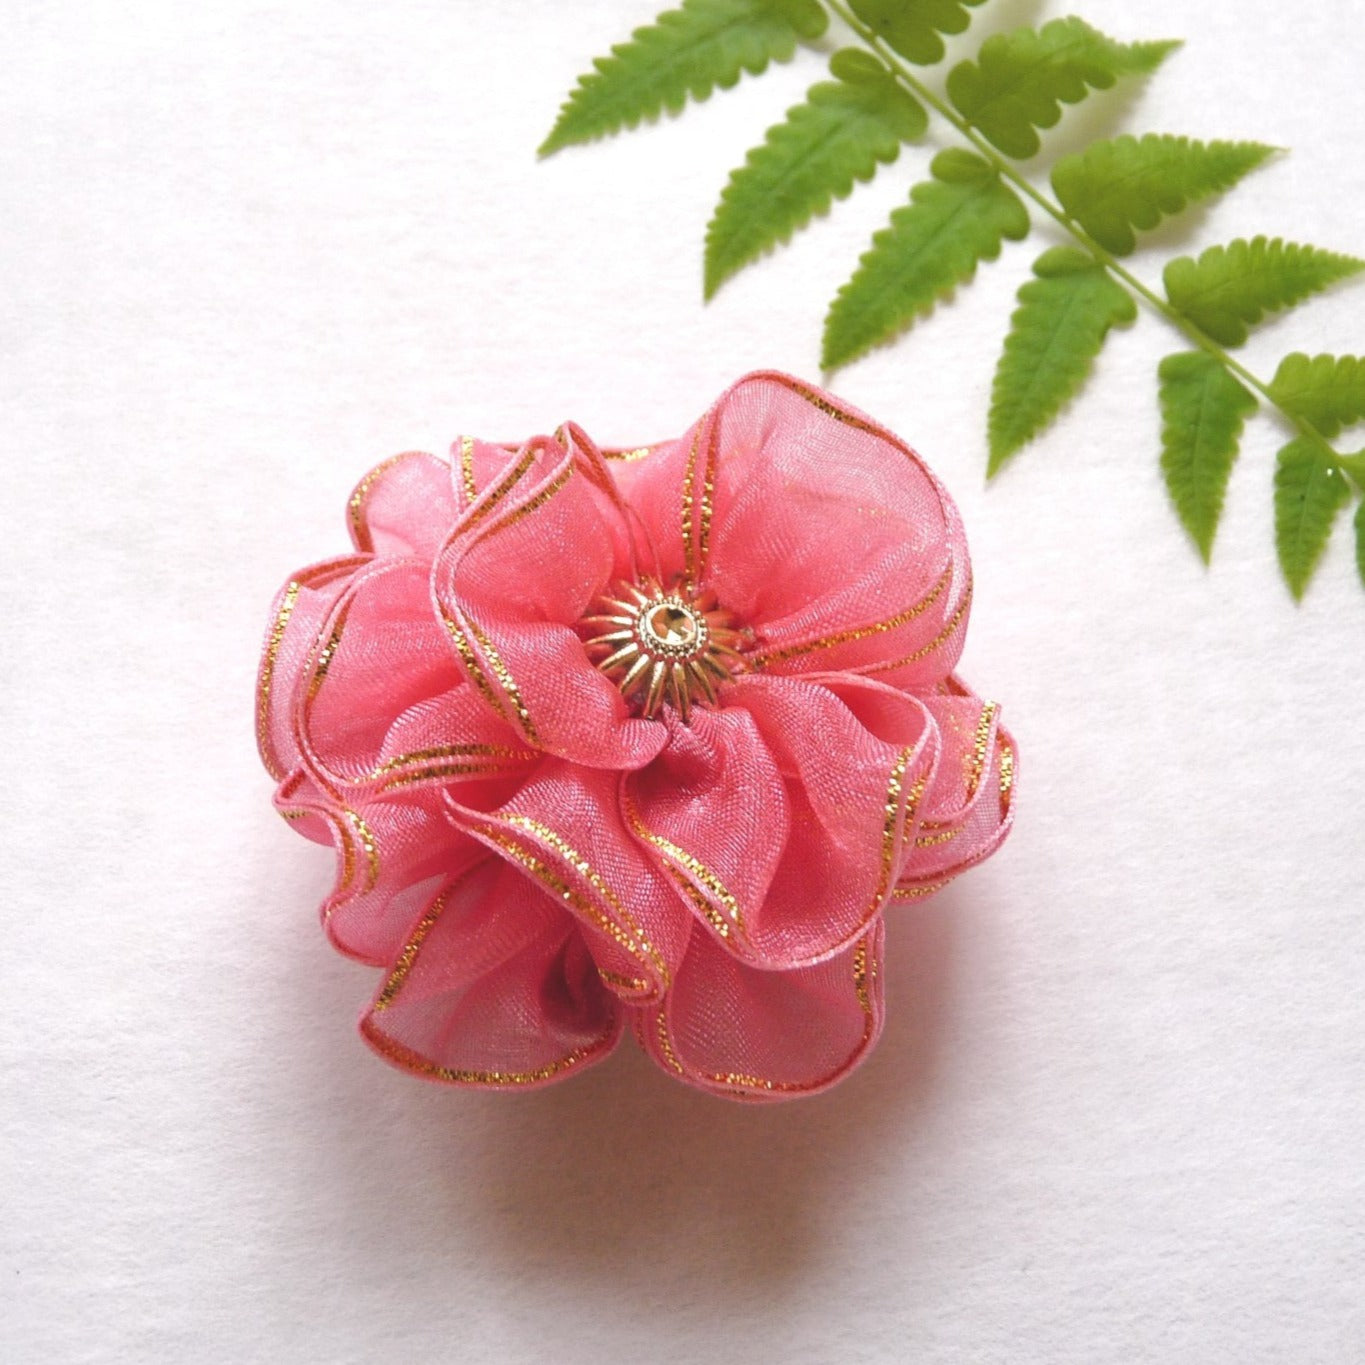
x=968, y=808
x=296, y=618
x=493, y=987
x=474, y=464
x=404, y=506
x=307, y=808
x=816, y=527
x=389, y=854
x=654, y=486
x=451, y=737
x=855, y=758
x=713, y=810
x=564, y=830
x=747, y=1033
x=521, y=569
x=384, y=702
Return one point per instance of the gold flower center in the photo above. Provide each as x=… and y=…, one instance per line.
x=663, y=645
x=672, y=625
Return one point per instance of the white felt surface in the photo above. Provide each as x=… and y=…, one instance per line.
x=246, y=251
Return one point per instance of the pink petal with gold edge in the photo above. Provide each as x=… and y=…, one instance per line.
x=563, y=830
x=493, y=987
x=652, y=486
x=404, y=506
x=389, y=853
x=521, y=569
x=969, y=807
x=296, y=618
x=451, y=737
x=853, y=786
x=746, y=1033
x=818, y=528
x=712, y=811
x=474, y=464
x=382, y=656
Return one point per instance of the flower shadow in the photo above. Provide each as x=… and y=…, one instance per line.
x=627, y=1176
x=618, y=1176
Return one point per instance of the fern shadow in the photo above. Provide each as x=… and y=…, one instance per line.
x=1000, y=17
x=1171, y=237
x=1102, y=114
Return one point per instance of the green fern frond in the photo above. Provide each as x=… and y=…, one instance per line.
x=1063, y=317
x=1021, y=79
x=1203, y=410
x=1133, y=182
x=1327, y=391
x=954, y=221
x=1309, y=492
x=843, y=131
x=1360, y=540
x=1229, y=289
x=913, y=28
x=688, y=51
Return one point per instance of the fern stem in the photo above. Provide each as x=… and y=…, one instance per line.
x=912, y=84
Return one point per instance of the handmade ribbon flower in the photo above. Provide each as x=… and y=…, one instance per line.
x=642, y=737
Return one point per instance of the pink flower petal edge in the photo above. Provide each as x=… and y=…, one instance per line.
x=644, y=739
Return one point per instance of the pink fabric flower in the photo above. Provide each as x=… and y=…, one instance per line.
x=640, y=737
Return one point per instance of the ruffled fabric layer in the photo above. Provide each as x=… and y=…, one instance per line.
x=533, y=864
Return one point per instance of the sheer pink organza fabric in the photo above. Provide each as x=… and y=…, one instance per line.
x=534, y=866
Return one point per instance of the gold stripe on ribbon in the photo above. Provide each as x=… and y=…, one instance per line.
x=709, y=880
x=267, y=675
x=408, y=957
x=843, y=637
x=924, y=651
x=360, y=530
x=414, y=1062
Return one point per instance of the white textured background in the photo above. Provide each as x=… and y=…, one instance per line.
x=247, y=250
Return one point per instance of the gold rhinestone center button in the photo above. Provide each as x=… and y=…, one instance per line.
x=663, y=645
x=672, y=626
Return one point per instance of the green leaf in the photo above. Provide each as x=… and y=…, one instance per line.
x=686, y=51
x=1230, y=288
x=839, y=135
x=1360, y=540
x=1127, y=182
x=933, y=243
x=912, y=27
x=1327, y=390
x=1203, y=409
x=1055, y=334
x=1020, y=79
x=1309, y=492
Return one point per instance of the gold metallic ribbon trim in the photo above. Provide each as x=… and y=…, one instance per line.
x=924, y=651
x=265, y=678
x=1006, y=776
x=765, y=657
x=470, y=760
x=979, y=745
x=624, y=931
x=916, y=893
x=460, y=633
x=688, y=510
x=412, y=1061
x=267, y=674
x=706, y=881
x=864, y=974
x=408, y=957
x=360, y=528
x=467, y=480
